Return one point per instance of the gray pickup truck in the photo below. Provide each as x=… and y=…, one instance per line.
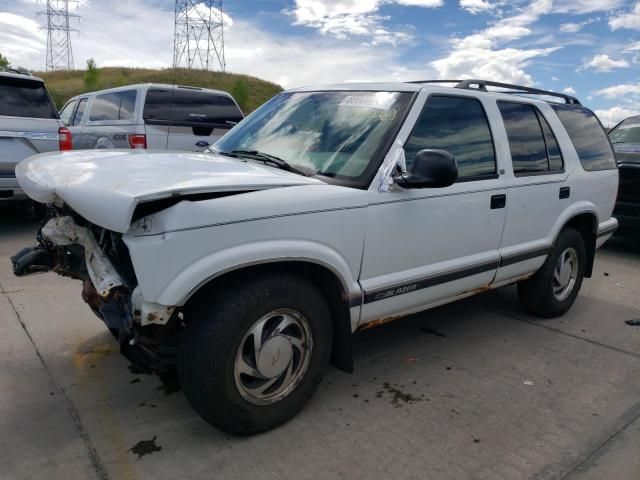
x=29, y=124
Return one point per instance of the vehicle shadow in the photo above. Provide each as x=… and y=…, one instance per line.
x=624, y=245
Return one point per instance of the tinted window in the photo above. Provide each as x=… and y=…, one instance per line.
x=553, y=150
x=459, y=126
x=25, y=98
x=627, y=132
x=157, y=105
x=77, y=118
x=588, y=137
x=67, y=111
x=113, y=106
x=528, y=150
x=188, y=107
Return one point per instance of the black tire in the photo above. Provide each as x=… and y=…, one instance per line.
x=536, y=294
x=217, y=322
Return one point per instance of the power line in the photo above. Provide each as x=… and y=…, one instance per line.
x=199, y=35
x=59, y=51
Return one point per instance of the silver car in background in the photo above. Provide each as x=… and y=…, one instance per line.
x=153, y=116
x=29, y=124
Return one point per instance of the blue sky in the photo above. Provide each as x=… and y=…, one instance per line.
x=590, y=47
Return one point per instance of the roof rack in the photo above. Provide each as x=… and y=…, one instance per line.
x=15, y=70
x=515, y=89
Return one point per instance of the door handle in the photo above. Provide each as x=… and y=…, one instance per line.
x=564, y=192
x=498, y=201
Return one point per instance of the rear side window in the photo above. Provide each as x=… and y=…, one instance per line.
x=459, y=126
x=190, y=107
x=113, y=106
x=534, y=148
x=25, y=98
x=588, y=137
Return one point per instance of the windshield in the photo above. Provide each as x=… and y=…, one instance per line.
x=339, y=134
x=627, y=132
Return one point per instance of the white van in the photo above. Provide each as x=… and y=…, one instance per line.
x=153, y=116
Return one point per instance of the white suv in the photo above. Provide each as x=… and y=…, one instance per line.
x=327, y=210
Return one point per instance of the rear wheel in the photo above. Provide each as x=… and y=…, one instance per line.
x=254, y=352
x=553, y=289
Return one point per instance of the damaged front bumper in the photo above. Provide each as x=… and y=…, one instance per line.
x=146, y=331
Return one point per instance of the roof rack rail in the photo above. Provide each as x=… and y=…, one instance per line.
x=15, y=70
x=515, y=89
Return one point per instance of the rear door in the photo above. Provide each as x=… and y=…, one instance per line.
x=111, y=120
x=539, y=192
x=28, y=122
x=199, y=118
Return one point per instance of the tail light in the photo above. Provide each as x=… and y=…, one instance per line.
x=138, y=141
x=64, y=137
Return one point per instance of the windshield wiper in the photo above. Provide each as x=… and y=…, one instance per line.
x=267, y=158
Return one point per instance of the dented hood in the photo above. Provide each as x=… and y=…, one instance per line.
x=105, y=186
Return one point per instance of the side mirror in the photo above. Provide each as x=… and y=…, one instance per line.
x=430, y=169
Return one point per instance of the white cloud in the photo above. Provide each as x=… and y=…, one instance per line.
x=586, y=6
x=570, y=27
x=576, y=27
x=630, y=19
x=146, y=41
x=476, y=6
x=622, y=91
x=21, y=39
x=569, y=90
x=555, y=79
x=614, y=115
x=603, y=63
x=483, y=54
x=347, y=18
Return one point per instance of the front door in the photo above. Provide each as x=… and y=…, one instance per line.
x=424, y=246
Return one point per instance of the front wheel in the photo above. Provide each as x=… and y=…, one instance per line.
x=254, y=352
x=553, y=289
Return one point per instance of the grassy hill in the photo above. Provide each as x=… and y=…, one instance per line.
x=65, y=84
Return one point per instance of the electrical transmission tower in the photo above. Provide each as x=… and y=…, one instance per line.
x=198, y=41
x=59, y=52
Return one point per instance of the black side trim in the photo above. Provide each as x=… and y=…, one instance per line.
x=408, y=287
x=521, y=257
x=355, y=301
x=607, y=231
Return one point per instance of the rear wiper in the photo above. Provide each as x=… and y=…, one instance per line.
x=267, y=158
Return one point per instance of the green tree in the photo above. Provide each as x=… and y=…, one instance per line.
x=240, y=92
x=4, y=62
x=90, y=77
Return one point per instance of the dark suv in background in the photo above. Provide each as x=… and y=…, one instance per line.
x=625, y=138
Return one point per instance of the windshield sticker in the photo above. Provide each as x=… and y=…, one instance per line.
x=378, y=100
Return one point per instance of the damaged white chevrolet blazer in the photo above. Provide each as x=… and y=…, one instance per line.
x=325, y=211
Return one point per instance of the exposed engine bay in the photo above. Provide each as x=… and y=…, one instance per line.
x=72, y=247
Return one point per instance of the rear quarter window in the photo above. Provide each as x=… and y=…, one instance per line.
x=190, y=107
x=25, y=98
x=588, y=137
